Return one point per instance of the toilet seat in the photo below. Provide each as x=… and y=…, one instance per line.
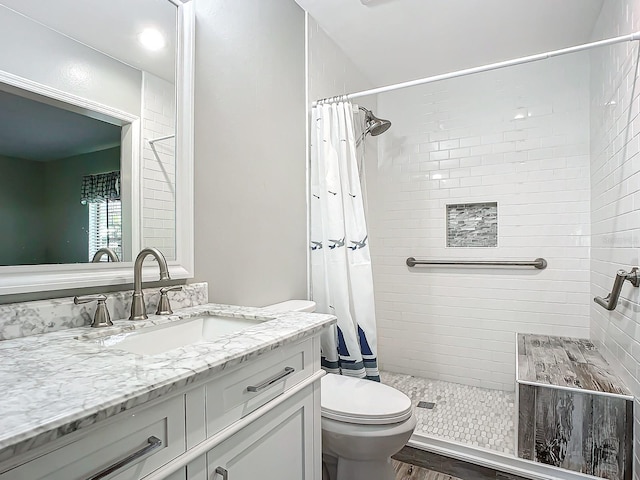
x=355, y=400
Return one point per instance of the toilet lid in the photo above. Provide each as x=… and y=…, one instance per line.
x=354, y=400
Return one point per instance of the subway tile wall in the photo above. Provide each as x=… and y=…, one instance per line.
x=158, y=173
x=518, y=137
x=615, y=193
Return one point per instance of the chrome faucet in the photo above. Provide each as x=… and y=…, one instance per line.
x=113, y=256
x=138, y=308
x=101, y=318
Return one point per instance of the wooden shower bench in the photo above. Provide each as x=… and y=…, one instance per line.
x=574, y=412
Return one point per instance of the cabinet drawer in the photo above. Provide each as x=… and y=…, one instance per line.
x=103, y=447
x=254, y=383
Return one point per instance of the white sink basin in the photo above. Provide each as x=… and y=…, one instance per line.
x=190, y=331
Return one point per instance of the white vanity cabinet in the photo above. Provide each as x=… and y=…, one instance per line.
x=256, y=419
x=156, y=433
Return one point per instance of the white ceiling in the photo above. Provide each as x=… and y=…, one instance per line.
x=111, y=27
x=398, y=40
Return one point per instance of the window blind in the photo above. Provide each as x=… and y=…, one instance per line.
x=105, y=227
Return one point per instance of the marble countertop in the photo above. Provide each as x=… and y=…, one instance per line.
x=59, y=382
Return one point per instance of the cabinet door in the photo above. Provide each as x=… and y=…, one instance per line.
x=280, y=445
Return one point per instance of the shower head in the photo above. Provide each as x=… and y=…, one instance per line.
x=374, y=125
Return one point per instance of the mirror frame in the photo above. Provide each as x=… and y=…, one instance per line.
x=21, y=279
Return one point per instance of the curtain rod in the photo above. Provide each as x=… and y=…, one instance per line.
x=159, y=139
x=493, y=66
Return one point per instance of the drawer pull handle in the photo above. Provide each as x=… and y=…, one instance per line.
x=154, y=442
x=271, y=380
x=223, y=472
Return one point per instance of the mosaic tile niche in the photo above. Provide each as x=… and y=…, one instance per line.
x=472, y=225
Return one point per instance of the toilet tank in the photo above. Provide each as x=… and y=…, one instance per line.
x=292, y=306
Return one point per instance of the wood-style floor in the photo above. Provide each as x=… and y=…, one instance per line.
x=405, y=471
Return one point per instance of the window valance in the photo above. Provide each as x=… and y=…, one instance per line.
x=100, y=187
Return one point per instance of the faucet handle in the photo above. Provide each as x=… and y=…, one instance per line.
x=164, y=307
x=101, y=318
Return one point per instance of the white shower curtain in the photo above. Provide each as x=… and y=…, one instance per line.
x=341, y=278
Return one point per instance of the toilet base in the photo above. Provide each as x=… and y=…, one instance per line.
x=329, y=467
x=347, y=469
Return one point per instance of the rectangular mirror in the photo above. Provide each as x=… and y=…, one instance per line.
x=96, y=138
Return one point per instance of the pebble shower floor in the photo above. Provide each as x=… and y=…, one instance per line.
x=475, y=416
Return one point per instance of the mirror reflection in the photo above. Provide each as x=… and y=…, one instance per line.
x=71, y=176
x=55, y=201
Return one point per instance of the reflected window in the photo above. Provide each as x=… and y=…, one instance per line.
x=105, y=228
x=102, y=193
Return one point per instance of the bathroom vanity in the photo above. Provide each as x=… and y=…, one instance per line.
x=84, y=403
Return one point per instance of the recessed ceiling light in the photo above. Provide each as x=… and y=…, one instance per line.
x=152, y=39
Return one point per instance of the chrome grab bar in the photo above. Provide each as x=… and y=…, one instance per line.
x=539, y=263
x=154, y=442
x=610, y=302
x=271, y=380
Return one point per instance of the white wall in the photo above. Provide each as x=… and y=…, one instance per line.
x=159, y=171
x=37, y=53
x=615, y=193
x=250, y=201
x=459, y=142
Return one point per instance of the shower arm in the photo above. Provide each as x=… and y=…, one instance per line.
x=367, y=112
x=366, y=121
x=610, y=302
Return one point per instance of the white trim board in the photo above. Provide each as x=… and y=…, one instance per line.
x=495, y=460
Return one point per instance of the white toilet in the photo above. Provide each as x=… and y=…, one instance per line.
x=363, y=422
